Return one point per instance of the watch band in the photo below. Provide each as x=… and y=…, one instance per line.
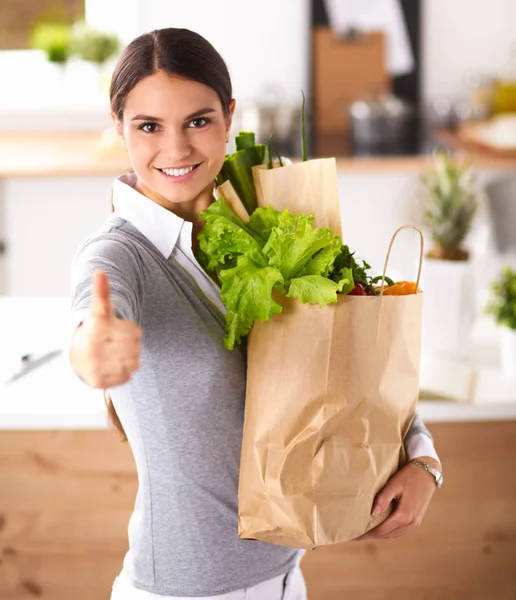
x=437, y=475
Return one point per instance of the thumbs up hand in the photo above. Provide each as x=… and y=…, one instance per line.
x=105, y=350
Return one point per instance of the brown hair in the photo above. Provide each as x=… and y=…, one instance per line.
x=176, y=52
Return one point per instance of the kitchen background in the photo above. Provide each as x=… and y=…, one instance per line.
x=387, y=84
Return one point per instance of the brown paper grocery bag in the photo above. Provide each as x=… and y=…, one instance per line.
x=331, y=393
x=308, y=188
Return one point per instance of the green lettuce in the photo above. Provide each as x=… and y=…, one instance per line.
x=319, y=290
x=275, y=250
x=247, y=293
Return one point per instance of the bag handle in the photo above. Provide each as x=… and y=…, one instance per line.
x=421, y=250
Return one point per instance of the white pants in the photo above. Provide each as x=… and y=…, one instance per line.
x=289, y=586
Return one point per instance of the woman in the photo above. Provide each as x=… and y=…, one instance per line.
x=151, y=325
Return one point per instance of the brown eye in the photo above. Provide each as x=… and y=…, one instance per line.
x=198, y=122
x=149, y=127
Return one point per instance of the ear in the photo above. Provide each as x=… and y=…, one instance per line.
x=119, y=129
x=229, y=119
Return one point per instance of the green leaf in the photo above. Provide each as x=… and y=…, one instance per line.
x=322, y=262
x=264, y=220
x=247, y=294
x=275, y=250
x=346, y=280
x=316, y=289
x=293, y=251
x=346, y=260
x=224, y=238
x=219, y=208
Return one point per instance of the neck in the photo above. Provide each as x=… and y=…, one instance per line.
x=189, y=211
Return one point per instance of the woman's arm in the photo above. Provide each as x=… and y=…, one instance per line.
x=418, y=441
x=105, y=348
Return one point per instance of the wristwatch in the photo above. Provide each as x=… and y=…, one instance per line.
x=437, y=475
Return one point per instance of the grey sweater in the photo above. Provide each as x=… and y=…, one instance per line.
x=183, y=414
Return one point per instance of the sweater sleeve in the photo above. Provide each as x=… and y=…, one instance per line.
x=120, y=263
x=418, y=441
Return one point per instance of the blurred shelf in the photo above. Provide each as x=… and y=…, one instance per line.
x=34, y=154
x=93, y=153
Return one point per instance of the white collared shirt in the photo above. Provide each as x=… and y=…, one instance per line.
x=171, y=235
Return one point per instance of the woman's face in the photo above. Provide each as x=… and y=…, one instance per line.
x=175, y=132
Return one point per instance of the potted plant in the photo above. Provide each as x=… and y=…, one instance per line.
x=502, y=305
x=95, y=47
x=451, y=200
x=54, y=39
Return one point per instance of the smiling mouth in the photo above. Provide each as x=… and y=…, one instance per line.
x=172, y=172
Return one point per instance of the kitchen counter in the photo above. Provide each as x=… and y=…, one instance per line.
x=51, y=396
x=90, y=153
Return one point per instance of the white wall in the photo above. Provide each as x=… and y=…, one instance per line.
x=262, y=43
x=272, y=44
x=461, y=36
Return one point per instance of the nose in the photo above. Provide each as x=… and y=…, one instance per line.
x=177, y=147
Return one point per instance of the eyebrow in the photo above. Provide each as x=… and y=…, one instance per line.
x=198, y=113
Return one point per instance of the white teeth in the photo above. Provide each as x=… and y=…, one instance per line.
x=178, y=172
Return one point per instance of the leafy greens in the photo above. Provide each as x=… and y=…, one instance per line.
x=275, y=250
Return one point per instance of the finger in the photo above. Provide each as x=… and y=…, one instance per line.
x=107, y=380
x=127, y=330
x=390, y=492
x=115, y=367
x=104, y=350
x=101, y=304
x=114, y=380
x=389, y=525
x=132, y=364
x=398, y=519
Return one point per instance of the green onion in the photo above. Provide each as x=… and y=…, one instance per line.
x=269, y=149
x=303, y=129
x=279, y=158
x=244, y=139
x=237, y=168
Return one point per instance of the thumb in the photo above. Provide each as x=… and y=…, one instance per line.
x=383, y=499
x=101, y=304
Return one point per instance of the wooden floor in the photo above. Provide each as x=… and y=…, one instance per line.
x=66, y=497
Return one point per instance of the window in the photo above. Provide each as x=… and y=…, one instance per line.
x=18, y=17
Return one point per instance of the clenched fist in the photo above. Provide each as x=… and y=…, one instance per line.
x=105, y=350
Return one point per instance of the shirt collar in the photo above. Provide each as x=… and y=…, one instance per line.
x=160, y=226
